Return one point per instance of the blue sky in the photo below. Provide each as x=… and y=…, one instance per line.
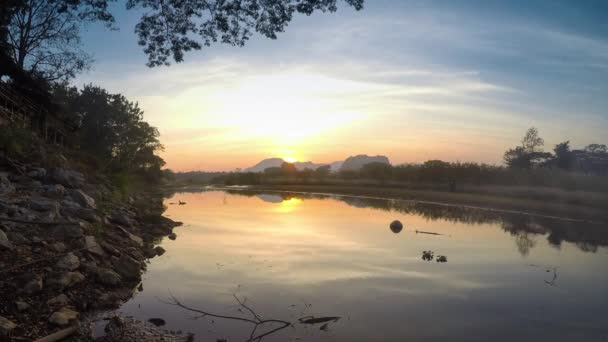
x=413, y=80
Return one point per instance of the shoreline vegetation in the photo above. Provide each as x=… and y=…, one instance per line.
x=580, y=206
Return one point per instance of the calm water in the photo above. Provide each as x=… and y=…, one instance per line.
x=296, y=255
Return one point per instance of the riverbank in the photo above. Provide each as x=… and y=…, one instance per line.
x=69, y=247
x=549, y=203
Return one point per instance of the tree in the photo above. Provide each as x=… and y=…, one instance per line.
x=532, y=142
x=112, y=130
x=322, y=172
x=564, y=158
x=377, y=170
x=288, y=169
x=43, y=38
x=529, y=154
x=167, y=29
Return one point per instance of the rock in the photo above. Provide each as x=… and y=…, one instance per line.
x=108, y=248
x=58, y=247
x=120, y=218
x=82, y=198
x=68, y=178
x=68, y=231
x=61, y=281
x=38, y=173
x=43, y=204
x=108, y=277
x=6, y=187
x=68, y=262
x=6, y=326
x=63, y=317
x=33, y=286
x=396, y=226
x=21, y=306
x=150, y=253
x=5, y=244
x=172, y=236
x=92, y=246
x=62, y=300
x=82, y=213
x=17, y=238
x=54, y=190
x=136, y=239
x=128, y=267
x=159, y=250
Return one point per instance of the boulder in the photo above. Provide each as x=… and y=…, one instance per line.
x=92, y=246
x=5, y=243
x=68, y=262
x=127, y=267
x=68, y=178
x=108, y=277
x=6, y=326
x=82, y=198
x=63, y=317
x=172, y=236
x=43, y=204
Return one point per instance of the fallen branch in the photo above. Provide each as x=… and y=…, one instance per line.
x=429, y=233
x=256, y=320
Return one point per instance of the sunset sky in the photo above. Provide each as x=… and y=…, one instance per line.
x=412, y=80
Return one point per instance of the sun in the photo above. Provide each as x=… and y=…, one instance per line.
x=290, y=159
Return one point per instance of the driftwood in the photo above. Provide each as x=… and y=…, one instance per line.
x=59, y=335
x=429, y=233
x=256, y=320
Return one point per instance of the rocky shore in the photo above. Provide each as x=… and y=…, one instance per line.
x=69, y=247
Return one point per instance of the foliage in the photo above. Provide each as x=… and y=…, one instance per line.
x=530, y=154
x=43, y=38
x=112, y=130
x=14, y=141
x=167, y=28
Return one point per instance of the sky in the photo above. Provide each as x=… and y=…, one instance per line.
x=412, y=80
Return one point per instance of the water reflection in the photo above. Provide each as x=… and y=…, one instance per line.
x=334, y=256
x=587, y=236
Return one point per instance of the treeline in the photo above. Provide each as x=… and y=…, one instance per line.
x=525, y=165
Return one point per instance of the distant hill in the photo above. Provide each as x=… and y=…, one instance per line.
x=355, y=163
x=351, y=163
x=307, y=165
x=335, y=166
x=264, y=164
x=277, y=162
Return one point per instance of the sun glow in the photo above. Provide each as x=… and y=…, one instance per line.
x=290, y=159
x=284, y=107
